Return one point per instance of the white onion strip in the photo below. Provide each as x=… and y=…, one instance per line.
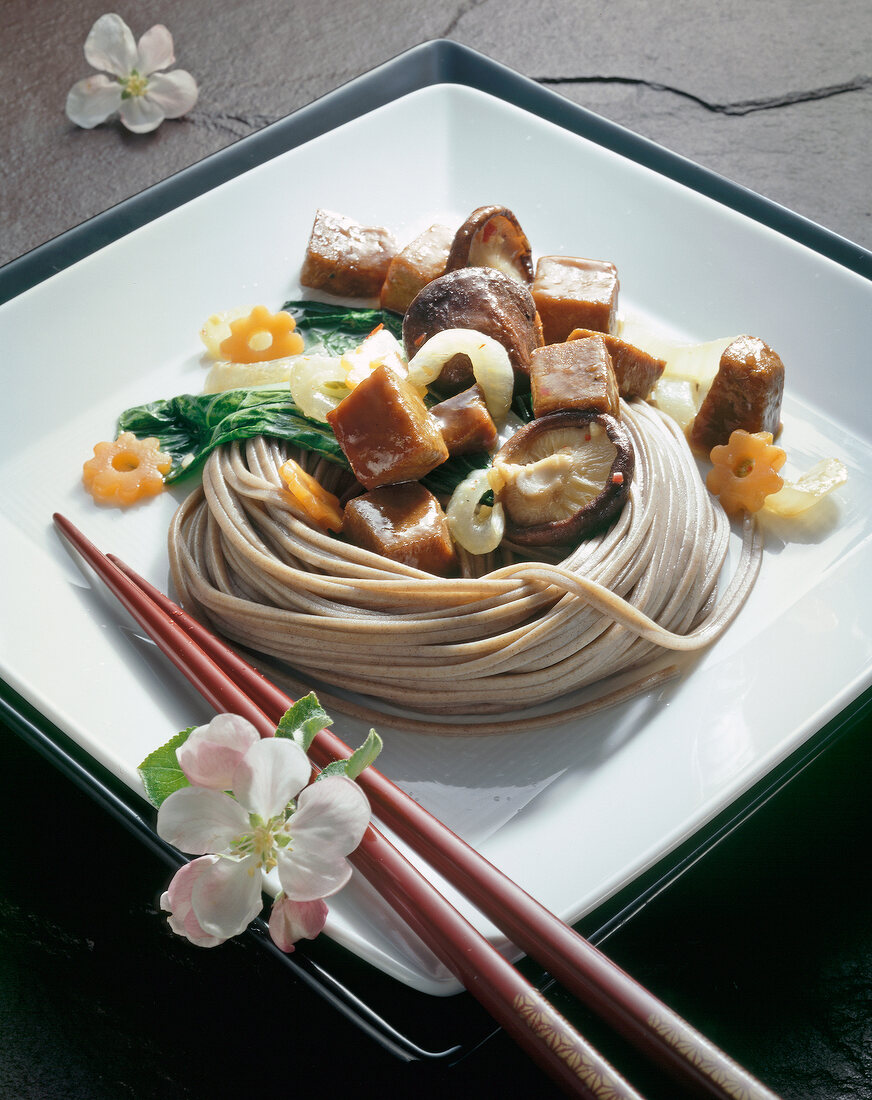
x=491, y=366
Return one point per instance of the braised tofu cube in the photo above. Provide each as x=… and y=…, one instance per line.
x=404, y=523
x=414, y=266
x=746, y=393
x=637, y=372
x=574, y=375
x=386, y=432
x=466, y=424
x=346, y=258
x=571, y=292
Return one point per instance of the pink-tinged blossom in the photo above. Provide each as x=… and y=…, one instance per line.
x=135, y=87
x=209, y=901
x=212, y=753
x=290, y=921
x=270, y=822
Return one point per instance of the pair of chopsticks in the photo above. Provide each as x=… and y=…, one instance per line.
x=229, y=683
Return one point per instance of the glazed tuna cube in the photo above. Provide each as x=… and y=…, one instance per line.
x=466, y=424
x=571, y=292
x=746, y=393
x=346, y=258
x=574, y=375
x=637, y=372
x=404, y=523
x=386, y=432
x=419, y=263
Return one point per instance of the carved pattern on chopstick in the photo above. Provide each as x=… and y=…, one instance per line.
x=565, y=1046
x=716, y=1065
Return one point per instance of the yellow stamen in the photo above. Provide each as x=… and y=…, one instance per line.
x=135, y=84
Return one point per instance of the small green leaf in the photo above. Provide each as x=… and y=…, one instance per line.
x=335, y=767
x=364, y=756
x=303, y=721
x=361, y=758
x=160, y=771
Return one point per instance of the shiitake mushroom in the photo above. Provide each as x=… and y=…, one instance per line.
x=492, y=237
x=478, y=298
x=562, y=477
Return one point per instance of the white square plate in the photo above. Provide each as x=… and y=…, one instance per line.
x=574, y=814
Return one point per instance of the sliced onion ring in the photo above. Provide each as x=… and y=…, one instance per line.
x=491, y=365
x=318, y=385
x=476, y=527
x=796, y=497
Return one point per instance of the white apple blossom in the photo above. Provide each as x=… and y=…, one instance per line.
x=136, y=87
x=272, y=821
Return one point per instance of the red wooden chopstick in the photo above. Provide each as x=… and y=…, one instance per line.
x=516, y=1005
x=647, y=1023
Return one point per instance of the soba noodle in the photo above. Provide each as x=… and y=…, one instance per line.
x=506, y=636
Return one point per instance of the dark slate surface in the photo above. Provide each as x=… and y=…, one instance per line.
x=766, y=945
x=776, y=97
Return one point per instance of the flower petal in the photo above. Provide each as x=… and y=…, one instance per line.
x=176, y=900
x=175, y=93
x=212, y=753
x=93, y=100
x=290, y=921
x=200, y=821
x=272, y=772
x=227, y=896
x=110, y=46
x=331, y=819
x=140, y=115
x=155, y=50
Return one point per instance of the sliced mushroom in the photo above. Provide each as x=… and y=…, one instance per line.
x=476, y=298
x=492, y=237
x=563, y=477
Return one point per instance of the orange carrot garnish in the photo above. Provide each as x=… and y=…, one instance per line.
x=321, y=506
x=261, y=336
x=744, y=471
x=126, y=470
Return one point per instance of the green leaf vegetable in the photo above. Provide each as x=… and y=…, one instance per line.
x=336, y=328
x=189, y=427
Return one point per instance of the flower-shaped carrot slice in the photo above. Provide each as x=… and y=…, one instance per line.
x=261, y=336
x=126, y=470
x=744, y=471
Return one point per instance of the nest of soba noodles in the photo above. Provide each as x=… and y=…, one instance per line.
x=512, y=633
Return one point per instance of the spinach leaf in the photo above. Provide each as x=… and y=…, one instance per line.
x=189, y=427
x=336, y=328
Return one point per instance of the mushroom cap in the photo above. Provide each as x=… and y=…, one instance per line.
x=492, y=237
x=564, y=476
x=479, y=298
